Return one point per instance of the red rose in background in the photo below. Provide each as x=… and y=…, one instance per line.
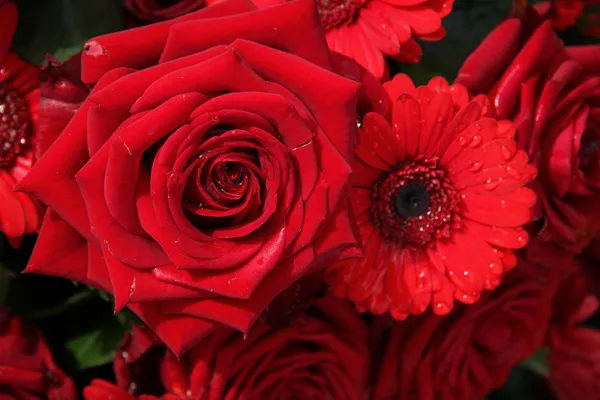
x=26, y=367
x=468, y=353
x=158, y=10
x=574, y=357
x=322, y=354
x=19, y=107
x=566, y=13
x=435, y=181
x=206, y=172
x=552, y=94
x=62, y=93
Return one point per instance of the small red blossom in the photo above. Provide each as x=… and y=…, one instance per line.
x=440, y=199
x=19, y=108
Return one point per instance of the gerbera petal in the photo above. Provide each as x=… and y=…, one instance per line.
x=379, y=31
x=406, y=120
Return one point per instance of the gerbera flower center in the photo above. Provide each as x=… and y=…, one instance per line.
x=335, y=13
x=415, y=203
x=14, y=125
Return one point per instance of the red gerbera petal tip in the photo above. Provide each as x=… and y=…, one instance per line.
x=440, y=198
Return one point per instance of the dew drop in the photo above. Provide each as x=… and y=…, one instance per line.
x=490, y=184
x=442, y=308
x=513, y=173
x=476, y=141
x=463, y=141
x=506, y=153
x=476, y=166
x=495, y=268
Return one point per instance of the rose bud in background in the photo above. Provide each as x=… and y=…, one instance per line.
x=434, y=179
x=322, y=354
x=552, y=94
x=574, y=350
x=204, y=174
x=19, y=107
x=159, y=10
x=62, y=93
x=26, y=367
x=468, y=353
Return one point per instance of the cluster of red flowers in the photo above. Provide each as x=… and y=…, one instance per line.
x=289, y=222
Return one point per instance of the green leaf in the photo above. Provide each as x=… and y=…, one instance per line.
x=538, y=362
x=61, y=27
x=97, y=346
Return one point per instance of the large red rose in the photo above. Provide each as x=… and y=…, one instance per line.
x=26, y=367
x=207, y=171
x=323, y=354
x=471, y=351
x=552, y=94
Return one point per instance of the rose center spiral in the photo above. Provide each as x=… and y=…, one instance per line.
x=14, y=125
x=415, y=203
x=335, y=13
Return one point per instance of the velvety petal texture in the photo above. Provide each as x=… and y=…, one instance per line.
x=435, y=178
x=27, y=371
x=470, y=352
x=552, y=94
x=19, y=109
x=206, y=172
x=321, y=354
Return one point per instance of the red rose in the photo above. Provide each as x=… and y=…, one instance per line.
x=62, y=93
x=207, y=171
x=552, y=94
x=471, y=351
x=322, y=354
x=26, y=367
x=156, y=10
x=19, y=107
x=574, y=357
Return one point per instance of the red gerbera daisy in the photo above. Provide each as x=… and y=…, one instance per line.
x=368, y=30
x=440, y=199
x=19, y=106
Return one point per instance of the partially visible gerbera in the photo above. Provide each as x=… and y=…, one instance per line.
x=440, y=199
x=369, y=30
x=19, y=106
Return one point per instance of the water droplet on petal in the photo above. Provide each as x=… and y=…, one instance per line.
x=506, y=153
x=442, y=308
x=463, y=141
x=513, y=172
x=476, y=166
x=476, y=141
x=491, y=184
x=496, y=268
